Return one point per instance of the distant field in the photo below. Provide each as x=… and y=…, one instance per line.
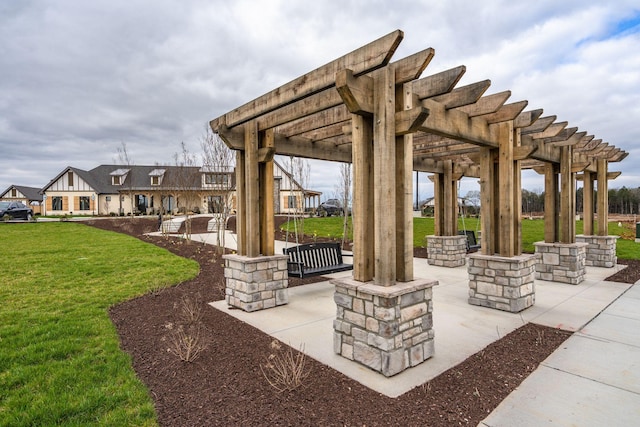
x=532, y=231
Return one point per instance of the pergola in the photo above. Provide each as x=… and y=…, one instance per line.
x=387, y=120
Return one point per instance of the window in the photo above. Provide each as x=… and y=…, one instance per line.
x=70, y=178
x=56, y=203
x=85, y=204
x=291, y=202
x=14, y=193
x=115, y=180
x=216, y=204
x=216, y=179
x=107, y=198
x=155, y=180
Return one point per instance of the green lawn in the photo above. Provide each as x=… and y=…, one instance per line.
x=532, y=231
x=60, y=361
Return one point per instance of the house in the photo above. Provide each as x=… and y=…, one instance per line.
x=293, y=198
x=30, y=196
x=126, y=189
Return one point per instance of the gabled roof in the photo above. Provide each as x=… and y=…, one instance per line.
x=86, y=176
x=138, y=178
x=31, y=193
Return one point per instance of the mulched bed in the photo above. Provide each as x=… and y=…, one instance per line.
x=225, y=385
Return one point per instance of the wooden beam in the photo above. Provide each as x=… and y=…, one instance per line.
x=551, y=131
x=570, y=140
x=523, y=152
x=487, y=104
x=465, y=95
x=527, y=118
x=457, y=125
x=412, y=67
x=539, y=125
x=356, y=93
x=362, y=60
x=409, y=121
x=319, y=120
x=506, y=112
x=439, y=83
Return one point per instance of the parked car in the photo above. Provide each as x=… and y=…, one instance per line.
x=15, y=210
x=330, y=207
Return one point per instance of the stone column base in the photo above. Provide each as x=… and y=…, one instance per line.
x=601, y=250
x=447, y=251
x=561, y=262
x=256, y=283
x=502, y=283
x=386, y=328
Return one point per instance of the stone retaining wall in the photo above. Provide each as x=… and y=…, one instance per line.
x=386, y=328
x=601, y=250
x=561, y=262
x=256, y=283
x=503, y=283
x=447, y=251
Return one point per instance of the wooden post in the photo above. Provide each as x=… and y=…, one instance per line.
x=438, y=204
x=363, y=210
x=487, y=206
x=252, y=185
x=567, y=196
x=603, y=198
x=241, y=197
x=550, y=203
x=404, y=215
x=384, y=152
x=517, y=198
x=450, y=202
x=506, y=190
x=266, y=198
x=587, y=203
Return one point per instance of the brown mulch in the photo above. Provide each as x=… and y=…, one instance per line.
x=225, y=385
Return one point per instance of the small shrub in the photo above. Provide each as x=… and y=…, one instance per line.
x=187, y=341
x=285, y=369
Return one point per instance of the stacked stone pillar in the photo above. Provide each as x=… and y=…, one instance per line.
x=561, y=262
x=502, y=283
x=447, y=251
x=386, y=328
x=600, y=250
x=254, y=284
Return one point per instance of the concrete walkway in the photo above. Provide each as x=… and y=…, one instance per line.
x=593, y=379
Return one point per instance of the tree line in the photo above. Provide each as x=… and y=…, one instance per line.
x=621, y=200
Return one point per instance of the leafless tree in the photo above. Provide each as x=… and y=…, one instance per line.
x=300, y=171
x=186, y=185
x=125, y=160
x=218, y=163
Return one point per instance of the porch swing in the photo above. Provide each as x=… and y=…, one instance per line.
x=472, y=242
x=311, y=259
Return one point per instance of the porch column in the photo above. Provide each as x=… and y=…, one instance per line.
x=500, y=276
x=601, y=248
x=256, y=278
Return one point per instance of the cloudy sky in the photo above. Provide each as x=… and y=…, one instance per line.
x=80, y=78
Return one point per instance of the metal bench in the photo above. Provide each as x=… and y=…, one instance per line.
x=472, y=242
x=315, y=259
